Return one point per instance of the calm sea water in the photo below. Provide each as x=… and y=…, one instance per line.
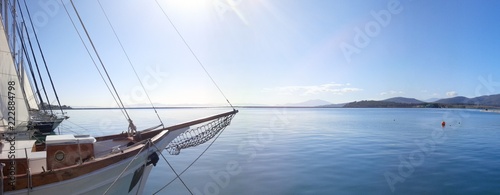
x=325, y=151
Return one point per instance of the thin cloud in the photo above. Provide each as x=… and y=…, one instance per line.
x=392, y=92
x=451, y=93
x=334, y=88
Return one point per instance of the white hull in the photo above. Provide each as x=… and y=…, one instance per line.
x=96, y=182
x=99, y=181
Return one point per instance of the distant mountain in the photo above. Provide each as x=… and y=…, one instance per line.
x=487, y=100
x=378, y=104
x=403, y=100
x=309, y=103
x=333, y=105
x=431, y=100
x=454, y=102
x=490, y=100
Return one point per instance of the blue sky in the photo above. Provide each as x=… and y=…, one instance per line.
x=275, y=52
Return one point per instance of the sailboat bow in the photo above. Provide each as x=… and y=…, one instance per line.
x=66, y=161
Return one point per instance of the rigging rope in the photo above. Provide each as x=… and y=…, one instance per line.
x=69, y=129
x=175, y=172
x=32, y=72
x=93, y=61
x=192, y=163
x=102, y=64
x=130, y=62
x=194, y=55
x=43, y=58
x=36, y=65
x=135, y=157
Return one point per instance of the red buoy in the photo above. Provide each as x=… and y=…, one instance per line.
x=443, y=124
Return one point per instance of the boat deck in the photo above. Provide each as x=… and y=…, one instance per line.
x=103, y=148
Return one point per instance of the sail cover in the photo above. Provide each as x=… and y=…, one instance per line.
x=10, y=88
x=29, y=92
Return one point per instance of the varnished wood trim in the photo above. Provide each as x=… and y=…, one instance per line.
x=70, y=172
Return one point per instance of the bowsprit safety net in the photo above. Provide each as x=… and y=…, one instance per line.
x=199, y=135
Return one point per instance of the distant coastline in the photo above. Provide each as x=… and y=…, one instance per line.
x=381, y=104
x=490, y=103
x=482, y=102
x=497, y=110
x=485, y=108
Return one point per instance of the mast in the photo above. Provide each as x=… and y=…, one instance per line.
x=19, y=59
x=27, y=90
x=38, y=102
x=14, y=33
x=36, y=66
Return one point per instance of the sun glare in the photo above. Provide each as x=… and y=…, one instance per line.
x=189, y=5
